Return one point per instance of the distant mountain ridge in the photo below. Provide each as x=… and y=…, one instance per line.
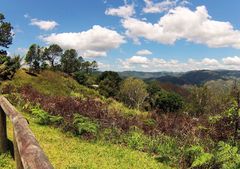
x=180, y=78
x=147, y=75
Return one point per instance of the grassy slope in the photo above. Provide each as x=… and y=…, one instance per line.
x=66, y=151
x=51, y=83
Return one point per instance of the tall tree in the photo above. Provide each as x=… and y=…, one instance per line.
x=5, y=34
x=34, y=57
x=133, y=92
x=69, y=61
x=52, y=53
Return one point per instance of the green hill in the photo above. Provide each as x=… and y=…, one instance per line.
x=78, y=152
x=51, y=83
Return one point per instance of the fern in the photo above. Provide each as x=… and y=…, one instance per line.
x=42, y=117
x=85, y=125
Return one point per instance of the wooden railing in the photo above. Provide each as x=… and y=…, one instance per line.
x=27, y=152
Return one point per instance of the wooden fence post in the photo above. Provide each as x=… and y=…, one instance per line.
x=3, y=132
x=17, y=156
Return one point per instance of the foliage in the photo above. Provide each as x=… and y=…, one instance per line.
x=133, y=92
x=69, y=61
x=85, y=125
x=52, y=54
x=81, y=77
x=5, y=161
x=8, y=66
x=168, y=101
x=119, y=107
x=109, y=83
x=196, y=157
x=227, y=156
x=44, y=118
x=34, y=58
x=51, y=83
x=136, y=139
x=79, y=153
x=211, y=98
x=6, y=35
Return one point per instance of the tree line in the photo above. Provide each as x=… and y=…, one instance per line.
x=55, y=58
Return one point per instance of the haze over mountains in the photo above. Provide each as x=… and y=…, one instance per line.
x=180, y=78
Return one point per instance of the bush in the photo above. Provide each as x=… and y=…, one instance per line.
x=136, y=139
x=168, y=101
x=85, y=125
x=227, y=156
x=196, y=157
x=44, y=118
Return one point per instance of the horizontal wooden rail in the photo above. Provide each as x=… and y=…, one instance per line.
x=27, y=152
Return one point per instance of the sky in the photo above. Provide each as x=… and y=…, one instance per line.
x=141, y=35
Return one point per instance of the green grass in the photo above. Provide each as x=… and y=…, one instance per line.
x=52, y=83
x=67, y=151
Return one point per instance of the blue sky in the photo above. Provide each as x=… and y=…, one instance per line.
x=145, y=35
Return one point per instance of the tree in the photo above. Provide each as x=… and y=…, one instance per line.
x=80, y=77
x=34, y=58
x=8, y=66
x=109, y=83
x=168, y=101
x=94, y=66
x=5, y=34
x=133, y=92
x=199, y=100
x=52, y=53
x=69, y=61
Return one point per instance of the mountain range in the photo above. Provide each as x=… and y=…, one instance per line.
x=197, y=77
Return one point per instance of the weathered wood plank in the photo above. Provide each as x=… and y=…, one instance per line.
x=17, y=156
x=3, y=132
x=31, y=154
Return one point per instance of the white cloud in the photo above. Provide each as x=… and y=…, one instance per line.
x=163, y=6
x=210, y=62
x=182, y=23
x=143, y=52
x=138, y=60
x=235, y=60
x=159, y=7
x=44, y=25
x=159, y=64
x=122, y=11
x=91, y=43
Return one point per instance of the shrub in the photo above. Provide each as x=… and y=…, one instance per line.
x=43, y=118
x=85, y=125
x=168, y=101
x=196, y=157
x=227, y=156
x=136, y=139
x=166, y=147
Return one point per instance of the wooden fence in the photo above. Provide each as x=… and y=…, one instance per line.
x=27, y=152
